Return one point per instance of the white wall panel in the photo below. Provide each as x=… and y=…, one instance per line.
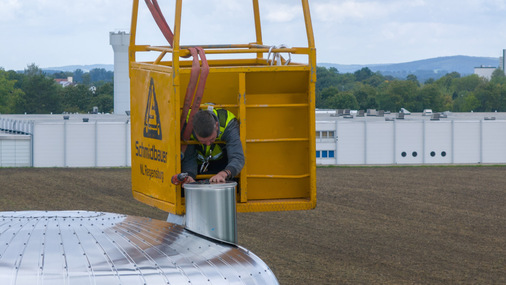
x=8, y=153
x=112, y=144
x=380, y=142
x=466, y=142
x=22, y=152
x=48, y=145
x=409, y=142
x=494, y=142
x=438, y=142
x=14, y=152
x=350, y=143
x=80, y=149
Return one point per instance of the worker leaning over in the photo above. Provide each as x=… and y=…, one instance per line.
x=224, y=160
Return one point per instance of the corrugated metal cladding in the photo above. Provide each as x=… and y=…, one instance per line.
x=15, y=150
x=73, y=247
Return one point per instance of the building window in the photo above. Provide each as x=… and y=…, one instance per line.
x=331, y=153
x=324, y=153
x=325, y=134
x=317, y=154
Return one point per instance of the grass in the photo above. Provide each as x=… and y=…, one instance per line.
x=386, y=225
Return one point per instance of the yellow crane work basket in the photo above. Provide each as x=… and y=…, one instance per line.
x=272, y=98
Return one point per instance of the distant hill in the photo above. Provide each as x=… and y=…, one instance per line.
x=423, y=69
x=72, y=68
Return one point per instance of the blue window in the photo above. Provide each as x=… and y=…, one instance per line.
x=331, y=153
x=317, y=153
x=324, y=153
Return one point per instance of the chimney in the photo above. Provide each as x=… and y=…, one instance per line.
x=120, y=42
x=504, y=60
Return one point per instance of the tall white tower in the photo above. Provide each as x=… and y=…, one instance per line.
x=504, y=61
x=120, y=42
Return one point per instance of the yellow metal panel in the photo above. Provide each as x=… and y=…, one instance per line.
x=155, y=148
x=243, y=185
x=276, y=205
x=274, y=105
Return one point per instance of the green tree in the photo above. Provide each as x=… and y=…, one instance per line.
x=366, y=96
x=104, y=98
x=343, y=100
x=413, y=78
x=489, y=97
x=78, y=75
x=76, y=98
x=375, y=80
x=498, y=77
x=10, y=96
x=397, y=94
x=363, y=74
x=429, y=97
x=100, y=74
x=41, y=93
x=466, y=103
x=325, y=94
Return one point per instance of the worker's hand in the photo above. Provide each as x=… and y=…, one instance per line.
x=220, y=177
x=189, y=179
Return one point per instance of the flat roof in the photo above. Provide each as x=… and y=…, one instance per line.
x=48, y=118
x=330, y=115
x=321, y=115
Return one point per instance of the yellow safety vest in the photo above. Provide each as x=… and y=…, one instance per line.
x=214, y=151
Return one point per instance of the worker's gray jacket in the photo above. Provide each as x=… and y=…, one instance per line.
x=233, y=147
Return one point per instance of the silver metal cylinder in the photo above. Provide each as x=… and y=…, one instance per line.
x=210, y=210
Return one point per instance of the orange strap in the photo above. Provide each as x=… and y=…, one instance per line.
x=197, y=98
x=160, y=20
x=196, y=71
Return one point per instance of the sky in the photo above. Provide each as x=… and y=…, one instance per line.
x=53, y=33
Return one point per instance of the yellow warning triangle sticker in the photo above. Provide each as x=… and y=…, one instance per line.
x=152, y=126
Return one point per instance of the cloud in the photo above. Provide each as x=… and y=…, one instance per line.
x=352, y=10
x=62, y=32
x=9, y=10
x=278, y=12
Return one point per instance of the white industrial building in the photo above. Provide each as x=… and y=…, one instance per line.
x=485, y=71
x=91, y=140
x=452, y=138
x=103, y=140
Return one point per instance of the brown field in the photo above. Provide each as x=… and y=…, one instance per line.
x=387, y=225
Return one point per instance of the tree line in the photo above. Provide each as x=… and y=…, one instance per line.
x=36, y=92
x=365, y=89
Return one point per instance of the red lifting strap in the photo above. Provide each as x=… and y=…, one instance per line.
x=160, y=20
x=190, y=95
x=190, y=90
x=197, y=98
x=204, y=71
